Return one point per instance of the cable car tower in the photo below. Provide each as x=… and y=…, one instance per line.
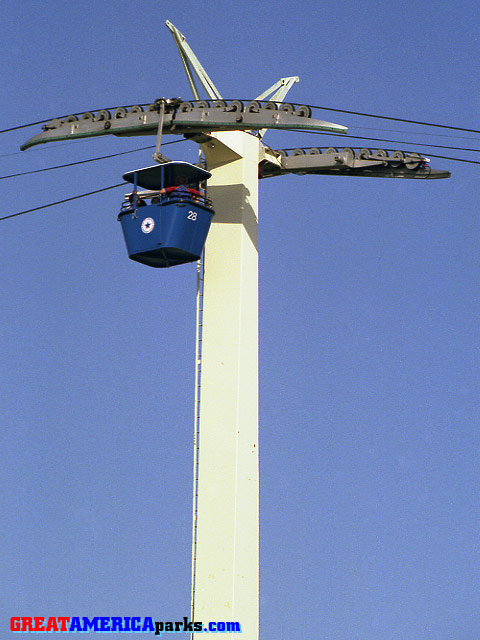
x=226, y=485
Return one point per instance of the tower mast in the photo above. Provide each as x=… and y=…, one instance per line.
x=227, y=527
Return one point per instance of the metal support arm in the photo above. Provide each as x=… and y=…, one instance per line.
x=191, y=63
x=181, y=118
x=330, y=161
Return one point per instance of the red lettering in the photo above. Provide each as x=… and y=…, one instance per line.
x=64, y=623
x=15, y=624
x=52, y=625
x=39, y=624
x=27, y=624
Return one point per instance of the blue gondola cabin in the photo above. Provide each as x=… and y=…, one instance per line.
x=167, y=224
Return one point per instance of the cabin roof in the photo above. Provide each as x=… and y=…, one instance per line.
x=151, y=177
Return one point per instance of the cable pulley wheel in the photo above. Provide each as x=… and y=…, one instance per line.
x=270, y=106
x=252, y=107
x=88, y=115
x=298, y=152
x=380, y=154
x=363, y=154
x=413, y=164
x=348, y=156
x=235, y=105
x=185, y=107
x=397, y=155
x=331, y=150
x=219, y=104
x=286, y=107
x=103, y=114
x=303, y=111
x=314, y=151
x=136, y=109
x=120, y=112
x=52, y=124
x=202, y=104
x=71, y=119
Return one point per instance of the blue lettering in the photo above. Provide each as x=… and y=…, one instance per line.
x=117, y=624
x=148, y=625
x=136, y=622
x=76, y=625
x=90, y=624
x=104, y=624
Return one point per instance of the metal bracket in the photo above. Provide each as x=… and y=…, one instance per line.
x=157, y=155
x=281, y=88
x=277, y=93
x=192, y=66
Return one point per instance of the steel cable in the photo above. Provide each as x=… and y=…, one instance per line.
x=52, y=204
x=321, y=108
x=423, y=144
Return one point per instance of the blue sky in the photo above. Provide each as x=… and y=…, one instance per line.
x=369, y=339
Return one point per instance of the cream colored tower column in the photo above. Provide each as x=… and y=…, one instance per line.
x=226, y=568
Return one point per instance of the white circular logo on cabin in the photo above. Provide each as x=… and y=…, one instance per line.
x=148, y=225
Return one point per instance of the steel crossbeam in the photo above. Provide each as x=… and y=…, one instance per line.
x=330, y=161
x=182, y=118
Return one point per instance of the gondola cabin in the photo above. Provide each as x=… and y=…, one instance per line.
x=167, y=224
